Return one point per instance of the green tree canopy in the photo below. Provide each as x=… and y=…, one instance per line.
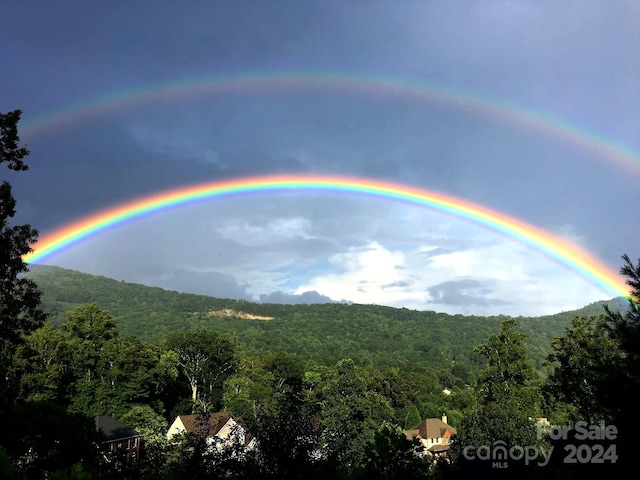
x=623, y=395
x=412, y=418
x=20, y=311
x=506, y=397
x=350, y=415
x=207, y=359
x=584, y=360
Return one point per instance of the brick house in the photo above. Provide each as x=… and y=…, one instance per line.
x=119, y=440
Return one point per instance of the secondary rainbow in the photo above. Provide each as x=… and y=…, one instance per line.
x=568, y=254
x=468, y=101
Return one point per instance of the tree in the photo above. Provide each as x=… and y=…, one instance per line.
x=206, y=359
x=89, y=329
x=287, y=374
x=44, y=361
x=508, y=366
x=287, y=434
x=19, y=297
x=391, y=455
x=584, y=360
x=412, y=418
x=85, y=366
x=153, y=429
x=506, y=397
x=20, y=311
x=624, y=328
x=350, y=416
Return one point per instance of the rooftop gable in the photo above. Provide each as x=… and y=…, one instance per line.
x=210, y=425
x=113, y=429
x=200, y=425
x=431, y=428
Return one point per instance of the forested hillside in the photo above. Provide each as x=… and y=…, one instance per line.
x=372, y=335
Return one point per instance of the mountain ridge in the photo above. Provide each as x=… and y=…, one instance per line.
x=383, y=335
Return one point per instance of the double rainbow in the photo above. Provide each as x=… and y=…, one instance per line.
x=562, y=251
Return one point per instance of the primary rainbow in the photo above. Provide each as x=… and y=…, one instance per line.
x=552, y=246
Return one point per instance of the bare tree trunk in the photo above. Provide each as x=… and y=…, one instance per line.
x=194, y=391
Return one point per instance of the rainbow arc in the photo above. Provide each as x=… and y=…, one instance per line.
x=572, y=256
x=455, y=99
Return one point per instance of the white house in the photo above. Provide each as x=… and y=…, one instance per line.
x=434, y=435
x=220, y=429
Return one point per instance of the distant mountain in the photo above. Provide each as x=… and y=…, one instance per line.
x=324, y=332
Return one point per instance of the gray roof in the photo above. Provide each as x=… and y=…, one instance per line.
x=113, y=429
x=430, y=428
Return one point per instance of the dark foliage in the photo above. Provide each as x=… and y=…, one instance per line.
x=44, y=438
x=625, y=329
x=19, y=296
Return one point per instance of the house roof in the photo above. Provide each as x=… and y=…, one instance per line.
x=113, y=429
x=196, y=423
x=430, y=428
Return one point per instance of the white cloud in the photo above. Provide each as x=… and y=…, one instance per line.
x=365, y=274
x=279, y=228
x=502, y=278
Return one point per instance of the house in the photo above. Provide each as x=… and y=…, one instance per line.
x=219, y=428
x=434, y=435
x=120, y=440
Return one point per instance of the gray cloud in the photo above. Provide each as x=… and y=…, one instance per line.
x=214, y=284
x=303, y=298
x=465, y=292
x=398, y=284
